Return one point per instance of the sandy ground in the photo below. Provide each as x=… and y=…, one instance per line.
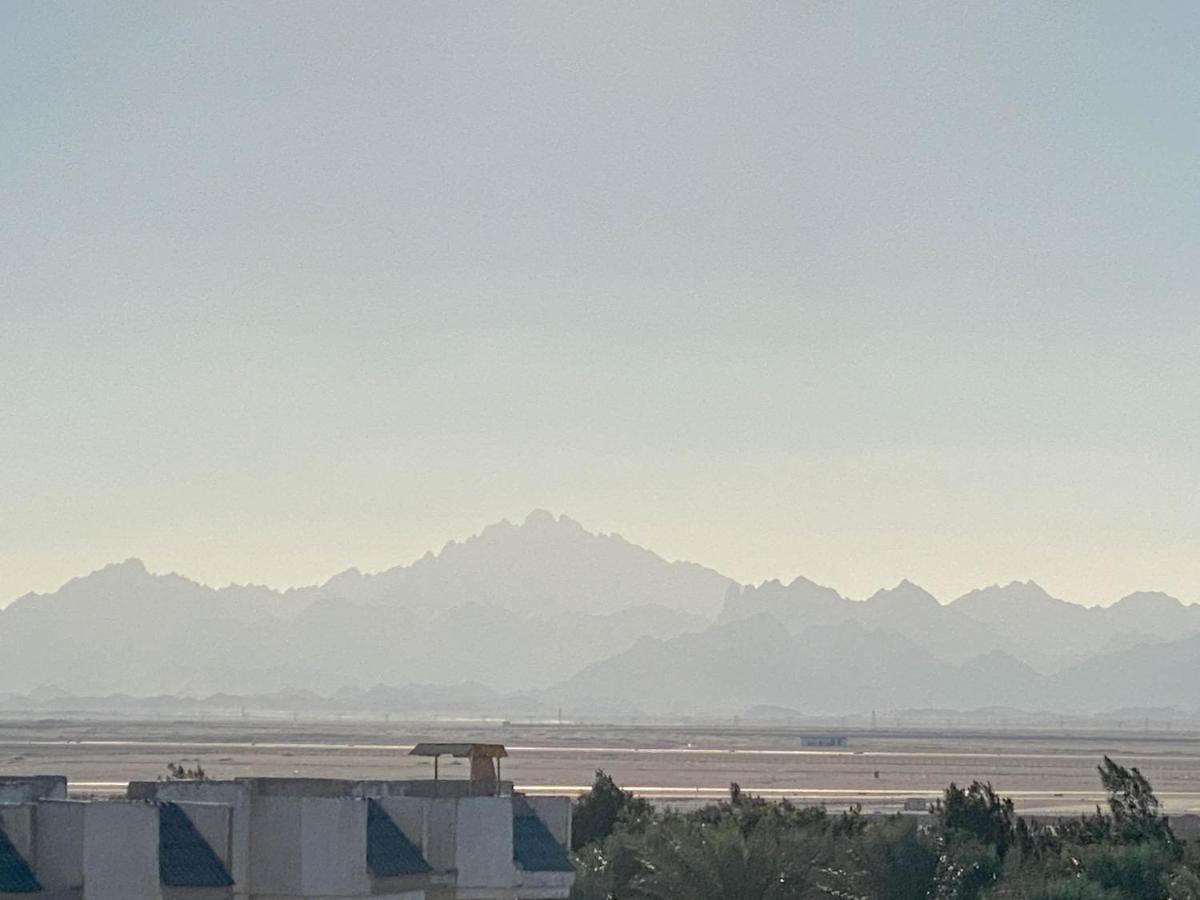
x=880, y=769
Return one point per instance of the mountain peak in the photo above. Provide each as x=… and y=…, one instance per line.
x=544, y=520
x=540, y=518
x=350, y=576
x=130, y=570
x=905, y=594
x=1149, y=600
x=801, y=583
x=1015, y=593
x=1029, y=586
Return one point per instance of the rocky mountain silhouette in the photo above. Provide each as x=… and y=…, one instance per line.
x=547, y=610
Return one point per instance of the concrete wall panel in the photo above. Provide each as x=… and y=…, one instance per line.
x=58, y=856
x=275, y=828
x=120, y=851
x=334, y=846
x=236, y=795
x=28, y=788
x=484, y=843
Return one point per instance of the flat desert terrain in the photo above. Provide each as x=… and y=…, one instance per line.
x=880, y=769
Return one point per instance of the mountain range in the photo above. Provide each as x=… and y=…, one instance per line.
x=545, y=613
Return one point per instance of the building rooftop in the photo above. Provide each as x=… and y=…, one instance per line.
x=462, y=751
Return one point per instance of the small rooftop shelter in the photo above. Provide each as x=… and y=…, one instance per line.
x=485, y=759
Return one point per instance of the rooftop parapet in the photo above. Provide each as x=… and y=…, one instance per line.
x=27, y=788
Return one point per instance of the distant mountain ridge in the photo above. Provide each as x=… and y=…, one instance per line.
x=1019, y=619
x=517, y=606
x=544, y=563
x=547, y=609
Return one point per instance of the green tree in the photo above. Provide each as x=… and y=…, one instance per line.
x=597, y=812
x=1137, y=871
x=1135, y=809
x=966, y=866
x=887, y=859
x=979, y=813
x=975, y=848
x=685, y=859
x=1184, y=884
x=1069, y=889
x=750, y=812
x=606, y=868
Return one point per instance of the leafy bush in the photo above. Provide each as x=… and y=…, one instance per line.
x=597, y=812
x=974, y=847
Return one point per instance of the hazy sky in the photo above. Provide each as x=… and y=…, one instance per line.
x=859, y=291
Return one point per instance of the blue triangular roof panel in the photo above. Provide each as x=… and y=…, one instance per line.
x=389, y=852
x=15, y=875
x=184, y=858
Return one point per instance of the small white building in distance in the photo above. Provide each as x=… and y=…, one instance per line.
x=284, y=838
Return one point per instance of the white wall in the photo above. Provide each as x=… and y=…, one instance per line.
x=235, y=795
x=308, y=846
x=120, y=851
x=334, y=846
x=58, y=856
x=472, y=835
x=290, y=846
x=428, y=823
x=275, y=828
x=195, y=893
x=484, y=844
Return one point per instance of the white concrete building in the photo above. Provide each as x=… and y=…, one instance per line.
x=283, y=838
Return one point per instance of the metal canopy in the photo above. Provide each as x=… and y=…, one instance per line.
x=462, y=751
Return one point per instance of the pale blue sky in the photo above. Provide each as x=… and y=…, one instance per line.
x=858, y=291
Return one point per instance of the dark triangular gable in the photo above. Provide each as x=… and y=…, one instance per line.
x=534, y=847
x=15, y=875
x=389, y=853
x=184, y=857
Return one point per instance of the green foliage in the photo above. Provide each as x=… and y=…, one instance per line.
x=1135, y=809
x=687, y=859
x=1184, y=884
x=597, y=812
x=888, y=859
x=1130, y=870
x=179, y=772
x=965, y=867
x=749, y=813
x=980, y=814
x=974, y=847
x=605, y=869
x=1073, y=889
